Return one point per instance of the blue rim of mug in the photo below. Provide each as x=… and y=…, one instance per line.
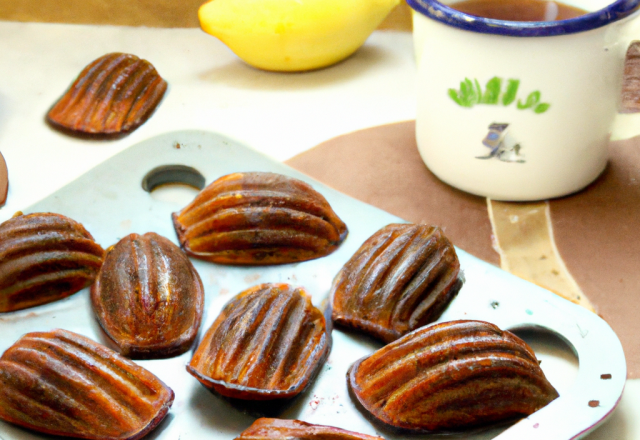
x=444, y=14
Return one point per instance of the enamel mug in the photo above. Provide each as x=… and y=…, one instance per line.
x=519, y=110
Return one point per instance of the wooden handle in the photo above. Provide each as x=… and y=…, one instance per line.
x=4, y=181
x=630, y=99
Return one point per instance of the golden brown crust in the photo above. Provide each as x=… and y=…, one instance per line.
x=268, y=343
x=44, y=257
x=148, y=297
x=61, y=383
x=400, y=279
x=451, y=376
x=114, y=94
x=259, y=219
x=279, y=429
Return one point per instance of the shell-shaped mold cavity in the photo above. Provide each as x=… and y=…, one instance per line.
x=451, y=376
x=258, y=219
x=61, y=383
x=278, y=429
x=114, y=94
x=401, y=278
x=44, y=257
x=148, y=297
x=267, y=343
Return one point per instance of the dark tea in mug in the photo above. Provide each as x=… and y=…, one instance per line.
x=518, y=10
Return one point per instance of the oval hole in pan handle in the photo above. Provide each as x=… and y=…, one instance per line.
x=600, y=379
x=557, y=356
x=173, y=174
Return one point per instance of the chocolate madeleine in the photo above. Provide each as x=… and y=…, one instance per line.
x=61, y=383
x=44, y=257
x=114, y=94
x=451, y=376
x=279, y=429
x=400, y=279
x=148, y=297
x=259, y=219
x=268, y=343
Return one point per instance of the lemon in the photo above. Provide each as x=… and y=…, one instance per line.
x=293, y=35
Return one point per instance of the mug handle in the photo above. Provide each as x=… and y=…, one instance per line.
x=627, y=123
x=630, y=97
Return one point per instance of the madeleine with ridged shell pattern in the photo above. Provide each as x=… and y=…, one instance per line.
x=267, y=343
x=451, y=376
x=400, y=279
x=280, y=429
x=44, y=257
x=113, y=95
x=61, y=383
x=259, y=218
x=148, y=297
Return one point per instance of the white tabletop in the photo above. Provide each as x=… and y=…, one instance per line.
x=211, y=89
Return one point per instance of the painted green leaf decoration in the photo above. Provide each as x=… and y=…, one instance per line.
x=465, y=94
x=478, y=90
x=532, y=99
x=492, y=91
x=510, y=94
x=541, y=108
x=453, y=94
x=471, y=93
